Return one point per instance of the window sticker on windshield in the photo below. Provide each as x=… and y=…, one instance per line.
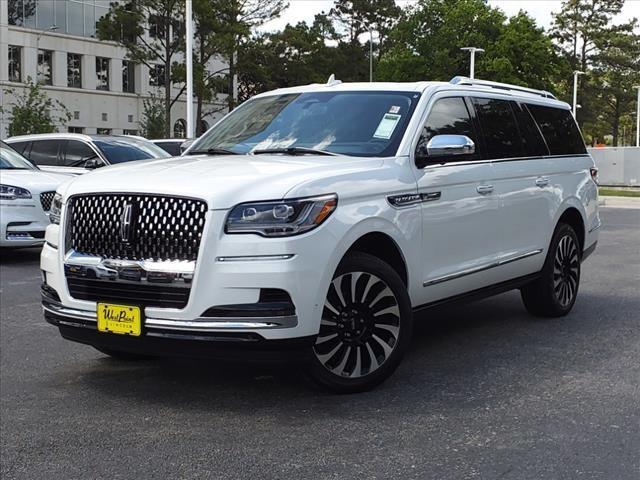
x=387, y=126
x=394, y=109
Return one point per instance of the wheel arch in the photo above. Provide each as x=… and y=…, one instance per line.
x=572, y=216
x=384, y=247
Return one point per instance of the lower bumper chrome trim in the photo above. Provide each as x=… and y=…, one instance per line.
x=481, y=268
x=202, y=324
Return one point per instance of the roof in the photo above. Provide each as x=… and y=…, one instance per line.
x=462, y=84
x=70, y=136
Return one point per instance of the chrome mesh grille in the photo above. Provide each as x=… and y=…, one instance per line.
x=45, y=200
x=159, y=227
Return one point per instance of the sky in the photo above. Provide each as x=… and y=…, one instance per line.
x=541, y=10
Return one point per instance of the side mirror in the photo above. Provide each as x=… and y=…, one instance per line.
x=443, y=146
x=93, y=163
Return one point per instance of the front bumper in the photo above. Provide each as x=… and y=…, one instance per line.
x=22, y=224
x=230, y=270
x=162, y=338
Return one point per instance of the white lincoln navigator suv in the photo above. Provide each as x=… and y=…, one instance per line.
x=315, y=222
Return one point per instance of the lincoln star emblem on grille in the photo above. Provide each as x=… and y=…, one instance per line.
x=125, y=223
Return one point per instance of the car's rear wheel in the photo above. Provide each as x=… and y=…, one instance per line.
x=555, y=292
x=365, y=327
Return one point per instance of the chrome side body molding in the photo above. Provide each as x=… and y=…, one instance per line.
x=481, y=268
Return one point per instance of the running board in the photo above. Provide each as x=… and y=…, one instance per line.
x=480, y=293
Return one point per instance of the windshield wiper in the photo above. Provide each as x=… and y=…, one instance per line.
x=294, y=151
x=213, y=151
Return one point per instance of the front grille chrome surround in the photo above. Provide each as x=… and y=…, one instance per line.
x=136, y=226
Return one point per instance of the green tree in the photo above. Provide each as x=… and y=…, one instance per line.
x=607, y=53
x=154, y=119
x=616, y=69
x=151, y=31
x=239, y=17
x=523, y=55
x=34, y=112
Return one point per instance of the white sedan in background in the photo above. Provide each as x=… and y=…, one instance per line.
x=26, y=193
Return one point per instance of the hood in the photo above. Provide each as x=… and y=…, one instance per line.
x=224, y=181
x=33, y=180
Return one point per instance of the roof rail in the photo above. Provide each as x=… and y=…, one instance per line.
x=501, y=86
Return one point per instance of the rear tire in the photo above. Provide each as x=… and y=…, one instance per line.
x=121, y=355
x=365, y=327
x=555, y=292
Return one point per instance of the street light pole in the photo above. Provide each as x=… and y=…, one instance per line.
x=370, y=54
x=637, y=87
x=472, y=51
x=189, y=54
x=575, y=90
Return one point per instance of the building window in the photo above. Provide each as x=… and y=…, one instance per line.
x=130, y=118
x=128, y=78
x=157, y=26
x=180, y=129
x=45, y=69
x=103, y=131
x=104, y=117
x=76, y=115
x=156, y=76
x=130, y=132
x=75, y=129
x=22, y=13
x=74, y=70
x=15, y=64
x=102, y=73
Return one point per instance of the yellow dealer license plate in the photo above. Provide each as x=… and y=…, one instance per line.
x=120, y=319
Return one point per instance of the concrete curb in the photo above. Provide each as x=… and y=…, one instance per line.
x=618, y=202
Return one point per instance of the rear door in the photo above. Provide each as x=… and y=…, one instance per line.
x=522, y=183
x=45, y=153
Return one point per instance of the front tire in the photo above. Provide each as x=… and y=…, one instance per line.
x=555, y=292
x=365, y=327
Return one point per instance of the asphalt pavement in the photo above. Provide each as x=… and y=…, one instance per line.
x=486, y=392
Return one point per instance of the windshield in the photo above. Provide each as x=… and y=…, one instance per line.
x=119, y=150
x=349, y=123
x=12, y=160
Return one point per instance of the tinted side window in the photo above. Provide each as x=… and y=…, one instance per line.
x=559, y=129
x=77, y=153
x=448, y=116
x=533, y=143
x=45, y=152
x=499, y=129
x=20, y=147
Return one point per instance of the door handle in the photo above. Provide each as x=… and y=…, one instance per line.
x=542, y=182
x=484, y=189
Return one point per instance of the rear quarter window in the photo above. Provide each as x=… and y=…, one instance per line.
x=559, y=130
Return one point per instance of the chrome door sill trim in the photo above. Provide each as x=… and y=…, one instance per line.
x=254, y=258
x=202, y=324
x=481, y=268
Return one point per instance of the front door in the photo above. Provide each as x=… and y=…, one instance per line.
x=460, y=210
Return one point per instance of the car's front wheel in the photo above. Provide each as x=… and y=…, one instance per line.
x=365, y=327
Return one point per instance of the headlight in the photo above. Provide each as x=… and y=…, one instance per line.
x=8, y=192
x=56, y=208
x=281, y=218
